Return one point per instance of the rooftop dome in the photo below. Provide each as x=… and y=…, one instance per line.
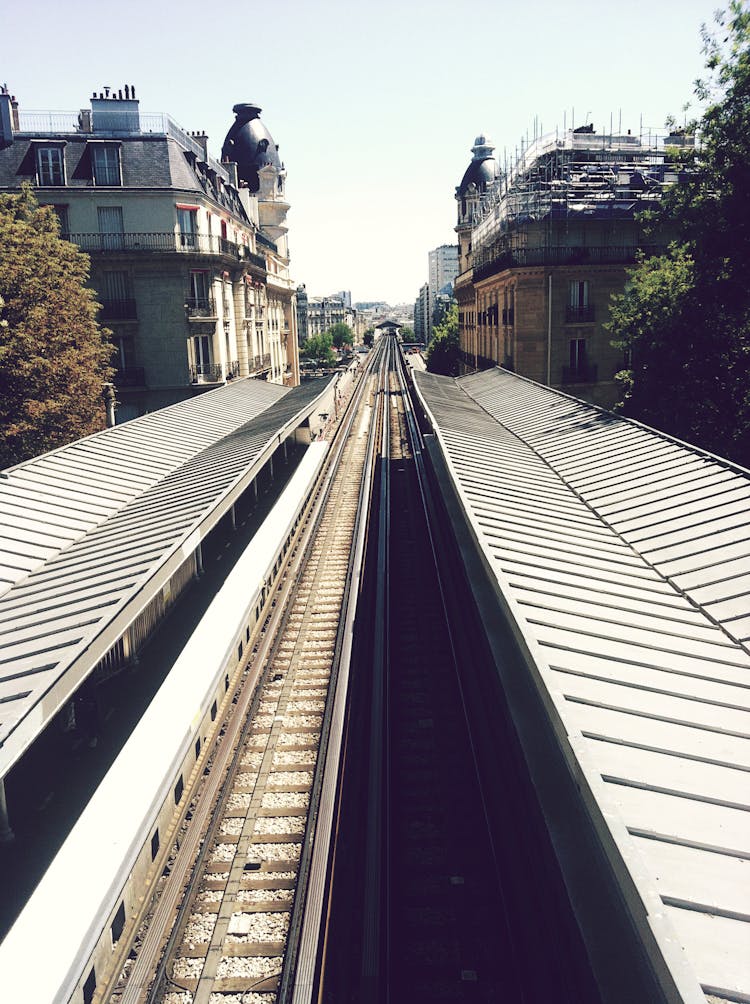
x=482, y=170
x=250, y=145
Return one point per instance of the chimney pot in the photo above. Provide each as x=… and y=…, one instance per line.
x=127, y=92
x=132, y=91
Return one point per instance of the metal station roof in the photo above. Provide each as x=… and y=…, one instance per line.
x=97, y=528
x=624, y=556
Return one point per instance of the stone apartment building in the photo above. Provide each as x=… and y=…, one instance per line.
x=317, y=314
x=189, y=255
x=543, y=245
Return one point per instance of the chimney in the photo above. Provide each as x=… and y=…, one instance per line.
x=7, y=122
x=111, y=112
x=14, y=112
x=232, y=171
x=202, y=140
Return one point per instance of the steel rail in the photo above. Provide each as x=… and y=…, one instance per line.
x=172, y=910
x=429, y=507
x=299, y=983
x=373, y=986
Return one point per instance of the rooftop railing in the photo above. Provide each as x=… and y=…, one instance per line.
x=115, y=122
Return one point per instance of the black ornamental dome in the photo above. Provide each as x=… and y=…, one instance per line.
x=482, y=170
x=250, y=145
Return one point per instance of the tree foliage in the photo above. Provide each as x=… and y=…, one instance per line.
x=407, y=334
x=684, y=319
x=341, y=335
x=443, y=352
x=54, y=357
x=369, y=336
x=319, y=349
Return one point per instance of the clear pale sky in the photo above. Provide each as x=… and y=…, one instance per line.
x=374, y=105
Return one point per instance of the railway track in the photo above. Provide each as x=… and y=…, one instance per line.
x=437, y=884
x=240, y=872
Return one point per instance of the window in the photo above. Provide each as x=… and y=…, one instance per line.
x=577, y=353
x=197, y=747
x=118, y=924
x=111, y=227
x=125, y=358
x=105, y=164
x=198, y=289
x=202, y=355
x=187, y=221
x=579, y=293
x=50, y=165
x=579, y=308
x=155, y=844
x=89, y=987
x=115, y=285
x=213, y=712
x=178, y=790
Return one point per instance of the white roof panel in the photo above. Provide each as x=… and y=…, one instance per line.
x=69, y=598
x=624, y=557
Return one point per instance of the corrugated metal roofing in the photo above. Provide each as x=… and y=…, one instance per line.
x=63, y=615
x=53, y=500
x=625, y=557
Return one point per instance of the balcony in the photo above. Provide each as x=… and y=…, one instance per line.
x=130, y=376
x=207, y=373
x=259, y=363
x=491, y=260
x=169, y=242
x=582, y=373
x=200, y=308
x=118, y=310
x=214, y=372
x=579, y=314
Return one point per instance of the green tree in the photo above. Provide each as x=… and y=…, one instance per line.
x=318, y=348
x=407, y=334
x=341, y=335
x=369, y=337
x=443, y=351
x=54, y=357
x=684, y=319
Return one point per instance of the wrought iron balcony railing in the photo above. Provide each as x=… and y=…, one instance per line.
x=164, y=242
x=206, y=373
x=579, y=314
x=582, y=373
x=200, y=306
x=233, y=369
x=118, y=310
x=488, y=261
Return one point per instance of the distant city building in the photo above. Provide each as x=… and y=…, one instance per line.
x=443, y=266
x=422, y=314
x=189, y=256
x=325, y=311
x=302, y=307
x=543, y=248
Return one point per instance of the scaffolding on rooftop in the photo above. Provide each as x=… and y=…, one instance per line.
x=560, y=180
